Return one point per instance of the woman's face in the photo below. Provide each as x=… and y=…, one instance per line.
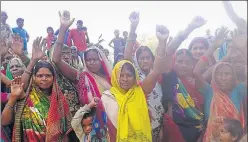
x=145, y=61
x=224, y=78
x=127, y=79
x=93, y=62
x=198, y=50
x=43, y=78
x=16, y=68
x=238, y=63
x=183, y=65
x=66, y=55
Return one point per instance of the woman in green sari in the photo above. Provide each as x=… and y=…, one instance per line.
x=44, y=114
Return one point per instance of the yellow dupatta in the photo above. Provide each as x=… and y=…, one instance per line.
x=133, y=118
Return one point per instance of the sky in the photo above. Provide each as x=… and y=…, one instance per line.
x=106, y=16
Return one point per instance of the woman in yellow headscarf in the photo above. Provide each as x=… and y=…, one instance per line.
x=125, y=103
x=126, y=106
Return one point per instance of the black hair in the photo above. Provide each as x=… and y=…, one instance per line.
x=19, y=19
x=234, y=127
x=43, y=64
x=199, y=39
x=125, y=32
x=50, y=28
x=142, y=49
x=184, y=52
x=90, y=114
x=79, y=21
x=130, y=67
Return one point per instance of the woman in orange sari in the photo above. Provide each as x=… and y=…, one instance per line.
x=224, y=98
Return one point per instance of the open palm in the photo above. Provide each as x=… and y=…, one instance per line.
x=3, y=46
x=39, y=48
x=17, y=90
x=197, y=22
x=65, y=19
x=17, y=45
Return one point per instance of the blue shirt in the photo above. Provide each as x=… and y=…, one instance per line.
x=23, y=35
x=236, y=97
x=66, y=35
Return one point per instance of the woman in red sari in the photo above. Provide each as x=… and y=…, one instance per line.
x=91, y=82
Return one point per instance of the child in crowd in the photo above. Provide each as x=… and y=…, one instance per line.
x=83, y=120
x=227, y=130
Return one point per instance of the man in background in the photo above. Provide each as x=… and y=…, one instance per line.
x=80, y=38
x=6, y=32
x=22, y=32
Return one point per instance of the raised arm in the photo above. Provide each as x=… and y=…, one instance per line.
x=203, y=62
x=5, y=80
x=240, y=23
x=68, y=71
x=38, y=52
x=131, y=40
x=17, y=48
x=239, y=42
x=150, y=81
x=4, y=49
x=16, y=94
x=197, y=22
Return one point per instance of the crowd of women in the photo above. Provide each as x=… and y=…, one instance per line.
x=174, y=95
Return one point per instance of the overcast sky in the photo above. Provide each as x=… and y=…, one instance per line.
x=106, y=16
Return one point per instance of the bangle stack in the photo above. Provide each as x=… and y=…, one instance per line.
x=9, y=107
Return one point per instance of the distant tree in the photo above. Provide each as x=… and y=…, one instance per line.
x=149, y=41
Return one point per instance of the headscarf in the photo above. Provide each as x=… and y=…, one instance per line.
x=91, y=85
x=8, y=73
x=154, y=98
x=133, y=117
x=68, y=88
x=42, y=118
x=221, y=105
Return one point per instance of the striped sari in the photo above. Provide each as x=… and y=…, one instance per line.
x=42, y=118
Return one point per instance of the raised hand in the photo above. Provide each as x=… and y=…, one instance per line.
x=65, y=19
x=220, y=36
x=94, y=102
x=17, y=46
x=17, y=91
x=134, y=19
x=197, y=22
x=162, y=33
x=39, y=49
x=218, y=121
x=4, y=47
x=238, y=39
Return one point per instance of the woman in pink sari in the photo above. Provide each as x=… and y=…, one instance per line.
x=91, y=82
